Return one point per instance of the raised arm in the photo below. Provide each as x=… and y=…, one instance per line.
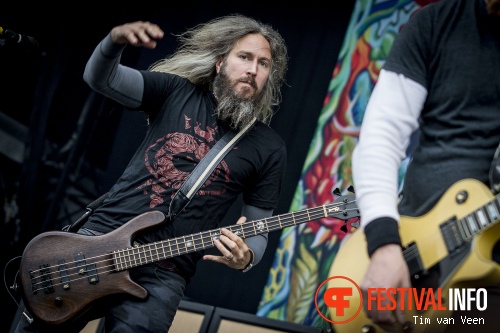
x=106, y=75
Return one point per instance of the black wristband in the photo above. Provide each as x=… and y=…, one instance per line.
x=250, y=263
x=381, y=231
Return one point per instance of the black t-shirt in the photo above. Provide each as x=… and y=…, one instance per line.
x=182, y=129
x=452, y=48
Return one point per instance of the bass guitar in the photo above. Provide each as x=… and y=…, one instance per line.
x=62, y=274
x=449, y=247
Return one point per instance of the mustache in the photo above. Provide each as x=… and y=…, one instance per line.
x=250, y=80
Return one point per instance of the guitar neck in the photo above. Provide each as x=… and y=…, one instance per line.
x=153, y=252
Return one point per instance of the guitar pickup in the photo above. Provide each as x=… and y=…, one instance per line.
x=92, y=271
x=414, y=261
x=80, y=264
x=452, y=236
x=63, y=273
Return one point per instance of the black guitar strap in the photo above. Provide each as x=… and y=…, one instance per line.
x=75, y=226
x=201, y=172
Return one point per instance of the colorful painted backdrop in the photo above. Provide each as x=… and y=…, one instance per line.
x=305, y=253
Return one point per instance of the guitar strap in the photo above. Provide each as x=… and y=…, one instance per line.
x=190, y=186
x=90, y=209
x=201, y=172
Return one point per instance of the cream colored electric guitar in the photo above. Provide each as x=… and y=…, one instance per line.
x=449, y=247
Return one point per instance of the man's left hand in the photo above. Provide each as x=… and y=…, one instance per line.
x=235, y=251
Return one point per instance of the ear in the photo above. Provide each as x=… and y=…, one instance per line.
x=218, y=64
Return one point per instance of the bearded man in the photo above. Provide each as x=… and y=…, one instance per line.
x=225, y=75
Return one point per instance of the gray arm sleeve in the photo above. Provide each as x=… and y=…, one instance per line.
x=257, y=243
x=104, y=74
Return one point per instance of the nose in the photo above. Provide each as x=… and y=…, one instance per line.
x=252, y=68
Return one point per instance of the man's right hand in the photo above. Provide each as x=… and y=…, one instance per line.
x=140, y=33
x=387, y=269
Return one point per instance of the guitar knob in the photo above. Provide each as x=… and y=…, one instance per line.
x=367, y=329
x=58, y=301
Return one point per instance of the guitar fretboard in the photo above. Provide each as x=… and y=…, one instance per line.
x=153, y=252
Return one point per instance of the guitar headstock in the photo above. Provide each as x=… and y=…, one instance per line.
x=344, y=207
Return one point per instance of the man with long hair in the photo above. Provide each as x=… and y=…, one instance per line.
x=224, y=75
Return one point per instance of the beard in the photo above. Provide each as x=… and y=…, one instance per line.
x=235, y=109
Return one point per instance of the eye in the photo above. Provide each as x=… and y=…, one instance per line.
x=243, y=56
x=264, y=64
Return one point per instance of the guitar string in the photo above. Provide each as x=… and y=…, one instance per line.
x=409, y=253
x=216, y=232
x=280, y=221
x=142, y=250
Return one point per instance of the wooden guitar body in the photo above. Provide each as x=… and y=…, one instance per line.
x=64, y=273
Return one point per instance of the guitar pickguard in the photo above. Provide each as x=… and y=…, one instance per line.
x=439, y=274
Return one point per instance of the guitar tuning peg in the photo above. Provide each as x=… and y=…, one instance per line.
x=351, y=189
x=337, y=192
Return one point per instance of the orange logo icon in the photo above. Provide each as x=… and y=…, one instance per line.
x=339, y=299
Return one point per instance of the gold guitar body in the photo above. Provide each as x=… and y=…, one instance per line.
x=472, y=266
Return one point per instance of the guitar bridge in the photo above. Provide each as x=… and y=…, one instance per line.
x=46, y=279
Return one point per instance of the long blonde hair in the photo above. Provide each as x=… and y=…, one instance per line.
x=202, y=46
